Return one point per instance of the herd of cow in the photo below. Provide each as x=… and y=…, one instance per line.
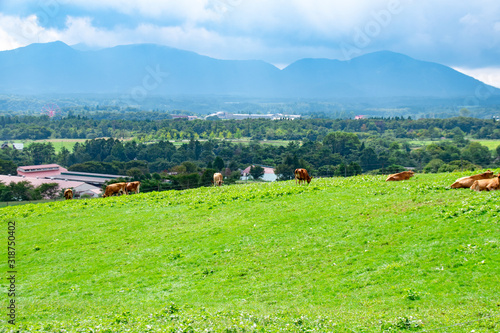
x=121, y=188
x=117, y=188
x=485, y=181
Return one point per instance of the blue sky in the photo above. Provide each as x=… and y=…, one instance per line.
x=462, y=34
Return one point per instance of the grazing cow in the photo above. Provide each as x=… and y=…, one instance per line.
x=68, y=194
x=116, y=188
x=466, y=182
x=218, y=179
x=405, y=175
x=302, y=175
x=133, y=187
x=492, y=184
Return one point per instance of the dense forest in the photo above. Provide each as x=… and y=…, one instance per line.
x=152, y=126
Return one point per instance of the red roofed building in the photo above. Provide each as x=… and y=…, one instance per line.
x=45, y=170
x=57, y=172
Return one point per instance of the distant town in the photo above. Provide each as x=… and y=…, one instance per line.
x=239, y=116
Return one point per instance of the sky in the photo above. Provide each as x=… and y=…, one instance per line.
x=464, y=35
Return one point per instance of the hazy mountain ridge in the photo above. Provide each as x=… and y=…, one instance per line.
x=148, y=68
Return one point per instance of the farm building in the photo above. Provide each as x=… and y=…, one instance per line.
x=269, y=174
x=79, y=188
x=57, y=172
x=18, y=146
x=40, y=171
x=273, y=116
x=96, y=179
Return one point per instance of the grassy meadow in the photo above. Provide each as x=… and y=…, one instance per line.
x=69, y=143
x=57, y=143
x=491, y=144
x=340, y=254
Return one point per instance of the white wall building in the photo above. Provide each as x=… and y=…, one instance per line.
x=269, y=175
x=273, y=116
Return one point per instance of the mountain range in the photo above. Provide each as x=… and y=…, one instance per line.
x=141, y=70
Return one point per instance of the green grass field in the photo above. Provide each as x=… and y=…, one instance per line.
x=421, y=143
x=58, y=143
x=341, y=254
x=491, y=144
x=17, y=203
x=69, y=143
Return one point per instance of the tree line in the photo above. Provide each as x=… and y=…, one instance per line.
x=158, y=127
x=25, y=191
x=163, y=165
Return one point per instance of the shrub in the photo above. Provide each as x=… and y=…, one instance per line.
x=458, y=165
x=433, y=166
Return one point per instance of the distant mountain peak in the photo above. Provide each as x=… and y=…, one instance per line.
x=85, y=47
x=385, y=53
x=47, y=46
x=141, y=70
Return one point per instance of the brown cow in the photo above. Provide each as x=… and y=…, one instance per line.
x=466, y=182
x=68, y=194
x=302, y=175
x=116, y=188
x=218, y=179
x=133, y=187
x=405, y=175
x=492, y=184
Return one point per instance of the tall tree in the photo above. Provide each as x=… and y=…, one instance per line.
x=207, y=177
x=477, y=153
x=42, y=153
x=368, y=159
x=256, y=171
x=7, y=167
x=218, y=163
x=342, y=143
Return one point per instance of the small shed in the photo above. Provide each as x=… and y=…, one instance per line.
x=18, y=146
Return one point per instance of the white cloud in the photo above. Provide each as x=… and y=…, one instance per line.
x=488, y=75
x=189, y=10
x=279, y=31
x=7, y=42
x=16, y=32
x=469, y=20
x=81, y=30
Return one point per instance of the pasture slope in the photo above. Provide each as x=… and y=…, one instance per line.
x=341, y=254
